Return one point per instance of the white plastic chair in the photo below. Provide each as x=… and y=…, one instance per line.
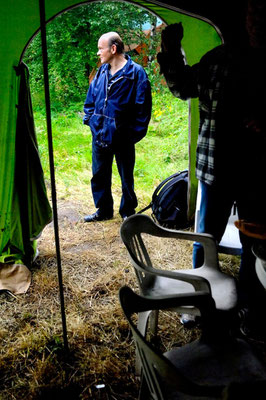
x=259, y=251
x=155, y=281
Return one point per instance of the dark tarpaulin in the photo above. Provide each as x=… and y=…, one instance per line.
x=227, y=15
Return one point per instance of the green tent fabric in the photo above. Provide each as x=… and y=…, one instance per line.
x=28, y=207
x=24, y=209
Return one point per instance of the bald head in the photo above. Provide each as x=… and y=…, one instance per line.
x=114, y=38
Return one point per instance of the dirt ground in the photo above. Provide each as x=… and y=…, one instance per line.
x=34, y=362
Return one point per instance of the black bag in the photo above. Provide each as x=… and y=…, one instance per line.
x=169, y=202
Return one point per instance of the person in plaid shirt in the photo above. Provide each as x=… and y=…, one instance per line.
x=230, y=82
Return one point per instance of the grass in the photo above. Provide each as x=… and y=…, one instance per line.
x=162, y=152
x=33, y=364
x=95, y=264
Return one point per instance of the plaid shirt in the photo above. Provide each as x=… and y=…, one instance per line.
x=205, y=81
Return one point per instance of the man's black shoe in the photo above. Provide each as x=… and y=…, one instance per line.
x=124, y=217
x=96, y=217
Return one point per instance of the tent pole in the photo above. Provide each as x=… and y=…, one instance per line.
x=51, y=162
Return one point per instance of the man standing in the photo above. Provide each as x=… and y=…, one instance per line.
x=117, y=110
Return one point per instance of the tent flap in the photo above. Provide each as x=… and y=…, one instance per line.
x=28, y=208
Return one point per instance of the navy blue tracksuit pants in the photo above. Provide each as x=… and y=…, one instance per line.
x=101, y=182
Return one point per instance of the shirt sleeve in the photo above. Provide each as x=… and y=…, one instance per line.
x=143, y=106
x=89, y=103
x=182, y=79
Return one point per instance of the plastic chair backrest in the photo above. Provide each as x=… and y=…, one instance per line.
x=160, y=375
x=132, y=231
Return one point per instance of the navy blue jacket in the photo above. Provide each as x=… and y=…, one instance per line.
x=122, y=113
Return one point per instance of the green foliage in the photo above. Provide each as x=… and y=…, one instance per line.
x=161, y=153
x=72, y=40
x=165, y=148
x=72, y=50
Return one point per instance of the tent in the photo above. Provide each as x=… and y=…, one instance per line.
x=23, y=201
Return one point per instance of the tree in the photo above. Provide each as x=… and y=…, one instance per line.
x=72, y=47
